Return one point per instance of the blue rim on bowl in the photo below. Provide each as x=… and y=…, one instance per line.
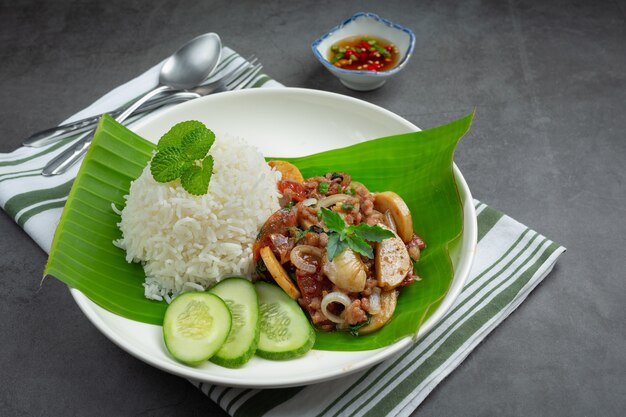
x=354, y=18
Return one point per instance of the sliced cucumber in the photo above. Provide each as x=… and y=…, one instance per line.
x=195, y=326
x=240, y=297
x=285, y=331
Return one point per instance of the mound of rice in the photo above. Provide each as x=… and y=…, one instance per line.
x=188, y=242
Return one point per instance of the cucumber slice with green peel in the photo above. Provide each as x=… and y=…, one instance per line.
x=242, y=301
x=195, y=326
x=285, y=331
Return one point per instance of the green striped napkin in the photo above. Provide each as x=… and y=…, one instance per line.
x=510, y=261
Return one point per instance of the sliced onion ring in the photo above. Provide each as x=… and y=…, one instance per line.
x=335, y=297
x=298, y=260
x=331, y=200
x=375, y=301
x=309, y=202
x=390, y=221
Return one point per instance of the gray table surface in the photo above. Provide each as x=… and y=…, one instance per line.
x=548, y=80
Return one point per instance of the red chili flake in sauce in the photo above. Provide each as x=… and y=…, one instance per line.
x=364, y=53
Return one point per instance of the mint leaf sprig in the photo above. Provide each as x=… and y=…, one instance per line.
x=356, y=237
x=182, y=153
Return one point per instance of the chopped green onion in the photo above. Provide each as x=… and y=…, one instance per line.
x=347, y=207
x=322, y=187
x=299, y=233
x=383, y=51
x=354, y=330
x=336, y=58
x=334, y=48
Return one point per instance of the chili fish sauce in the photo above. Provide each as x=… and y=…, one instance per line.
x=364, y=53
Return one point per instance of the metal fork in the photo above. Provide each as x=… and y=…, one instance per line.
x=235, y=81
x=244, y=79
x=212, y=84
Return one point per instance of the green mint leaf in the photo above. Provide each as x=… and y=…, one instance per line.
x=359, y=245
x=191, y=180
x=168, y=164
x=178, y=154
x=196, y=143
x=331, y=246
x=371, y=233
x=334, y=246
x=195, y=180
x=173, y=138
x=332, y=220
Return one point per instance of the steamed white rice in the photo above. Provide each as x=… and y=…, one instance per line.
x=188, y=242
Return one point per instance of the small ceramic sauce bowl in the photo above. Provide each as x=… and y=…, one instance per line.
x=368, y=24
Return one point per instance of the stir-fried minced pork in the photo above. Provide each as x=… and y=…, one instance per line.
x=299, y=238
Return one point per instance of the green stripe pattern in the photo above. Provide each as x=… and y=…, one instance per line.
x=511, y=260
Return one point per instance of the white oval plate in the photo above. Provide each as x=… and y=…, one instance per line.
x=282, y=122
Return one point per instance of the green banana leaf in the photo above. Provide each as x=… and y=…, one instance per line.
x=417, y=166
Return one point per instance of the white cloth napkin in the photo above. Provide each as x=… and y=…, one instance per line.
x=511, y=260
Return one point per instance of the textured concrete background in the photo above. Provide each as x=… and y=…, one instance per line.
x=548, y=80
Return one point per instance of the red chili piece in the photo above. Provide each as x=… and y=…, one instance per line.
x=299, y=192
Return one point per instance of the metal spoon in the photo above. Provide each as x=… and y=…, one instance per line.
x=218, y=79
x=186, y=68
x=57, y=133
